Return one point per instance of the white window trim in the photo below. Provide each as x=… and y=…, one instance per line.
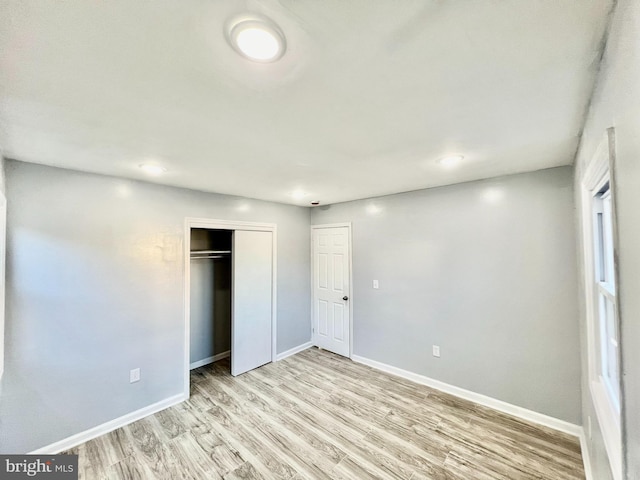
x=3, y=243
x=608, y=416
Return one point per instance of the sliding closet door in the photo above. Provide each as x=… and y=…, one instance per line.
x=251, y=311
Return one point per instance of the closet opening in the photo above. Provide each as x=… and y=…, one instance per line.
x=230, y=295
x=210, y=296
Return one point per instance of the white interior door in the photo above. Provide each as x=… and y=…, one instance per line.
x=331, y=289
x=251, y=309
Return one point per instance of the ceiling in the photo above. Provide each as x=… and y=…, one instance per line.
x=366, y=98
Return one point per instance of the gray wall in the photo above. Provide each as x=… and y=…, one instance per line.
x=95, y=288
x=616, y=103
x=487, y=271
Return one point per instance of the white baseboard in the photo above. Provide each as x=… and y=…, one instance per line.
x=490, y=402
x=208, y=360
x=293, y=351
x=107, y=427
x=586, y=457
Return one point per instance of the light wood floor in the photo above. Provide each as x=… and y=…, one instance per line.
x=317, y=415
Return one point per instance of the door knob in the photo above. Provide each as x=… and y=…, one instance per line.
x=345, y=298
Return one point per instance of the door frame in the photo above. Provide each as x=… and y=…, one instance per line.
x=350, y=250
x=214, y=224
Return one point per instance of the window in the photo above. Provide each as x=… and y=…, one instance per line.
x=605, y=289
x=603, y=334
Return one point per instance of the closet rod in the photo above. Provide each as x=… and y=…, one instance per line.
x=193, y=257
x=213, y=252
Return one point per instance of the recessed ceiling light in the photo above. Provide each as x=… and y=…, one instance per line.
x=298, y=195
x=258, y=40
x=152, y=169
x=451, y=160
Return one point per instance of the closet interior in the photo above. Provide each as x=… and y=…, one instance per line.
x=210, y=295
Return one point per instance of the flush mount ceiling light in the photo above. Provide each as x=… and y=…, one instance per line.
x=257, y=39
x=152, y=169
x=451, y=160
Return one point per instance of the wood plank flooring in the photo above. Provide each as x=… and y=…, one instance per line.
x=317, y=415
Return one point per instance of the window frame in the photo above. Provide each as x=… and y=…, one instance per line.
x=600, y=279
x=3, y=263
x=605, y=292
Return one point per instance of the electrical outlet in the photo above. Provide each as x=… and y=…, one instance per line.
x=436, y=351
x=134, y=375
x=376, y=284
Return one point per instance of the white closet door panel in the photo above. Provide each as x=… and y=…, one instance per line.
x=251, y=311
